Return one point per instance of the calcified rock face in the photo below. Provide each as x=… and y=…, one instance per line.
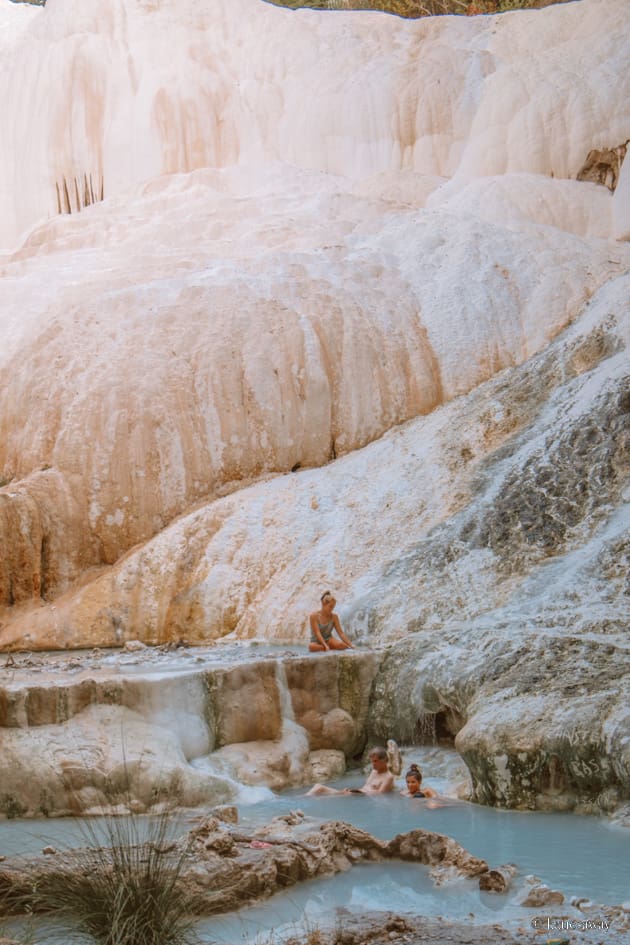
x=81, y=733
x=171, y=87
x=190, y=334
x=300, y=237
x=526, y=587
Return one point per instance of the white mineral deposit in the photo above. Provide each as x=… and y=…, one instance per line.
x=294, y=300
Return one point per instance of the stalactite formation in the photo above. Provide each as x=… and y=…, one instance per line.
x=79, y=193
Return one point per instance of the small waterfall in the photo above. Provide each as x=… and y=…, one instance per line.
x=426, y=733
x=213, y=766
x=293, y=735
x=286, y=703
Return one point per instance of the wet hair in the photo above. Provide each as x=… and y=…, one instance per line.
x=378, y=752
x=414, y=772
x=325, y=594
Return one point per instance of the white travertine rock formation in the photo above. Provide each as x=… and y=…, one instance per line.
x=97, y=97
x=320, y=237
x=73, y=731
x=621, y=203
x=162, y=349
x=251, y=562
x=204, y=329
x=582, y=208
x=316, y=237
x=14, y=20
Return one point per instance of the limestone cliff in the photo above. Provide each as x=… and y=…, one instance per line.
x=97, y=97
x=293, y=300
x=186, y=336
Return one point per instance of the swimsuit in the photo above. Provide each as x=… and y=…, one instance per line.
x=325, y=630
x=418, y=794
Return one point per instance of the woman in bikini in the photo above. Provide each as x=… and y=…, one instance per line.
x=323, y=623
x=414, y=787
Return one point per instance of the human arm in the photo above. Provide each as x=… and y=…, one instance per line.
x=340, y=633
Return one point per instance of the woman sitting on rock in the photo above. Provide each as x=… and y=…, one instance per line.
x=323, y=624
x=380, y=780
x=414, y=787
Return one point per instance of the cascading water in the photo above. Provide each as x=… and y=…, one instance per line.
x=425, y=729
x=293, y=735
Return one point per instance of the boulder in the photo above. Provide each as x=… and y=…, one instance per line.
x=326, y=764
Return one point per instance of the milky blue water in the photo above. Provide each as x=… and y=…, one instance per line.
x=569, y=852
x=397, y=887
x=580, y=855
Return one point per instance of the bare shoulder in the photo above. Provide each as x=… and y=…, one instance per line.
x=388, y=783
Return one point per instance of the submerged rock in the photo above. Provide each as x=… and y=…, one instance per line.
x=497, y=880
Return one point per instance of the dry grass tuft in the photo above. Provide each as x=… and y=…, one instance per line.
x=125, y=893
x=123, y=887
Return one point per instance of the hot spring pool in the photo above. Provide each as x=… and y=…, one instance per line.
x=580, y=855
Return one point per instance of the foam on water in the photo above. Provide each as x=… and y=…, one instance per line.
x=244, y=795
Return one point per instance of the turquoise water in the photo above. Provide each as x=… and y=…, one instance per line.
x=570, y=852
x=396, y=887
x=580, y=855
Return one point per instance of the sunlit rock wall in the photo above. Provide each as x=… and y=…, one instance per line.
x=100, y=96
x=190, y=335
x=294, y=300
x=488, y=539
x=165, y=349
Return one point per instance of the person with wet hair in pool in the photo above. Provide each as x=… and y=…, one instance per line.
x=324, y=622
x=380, y=780
x=414, y=788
